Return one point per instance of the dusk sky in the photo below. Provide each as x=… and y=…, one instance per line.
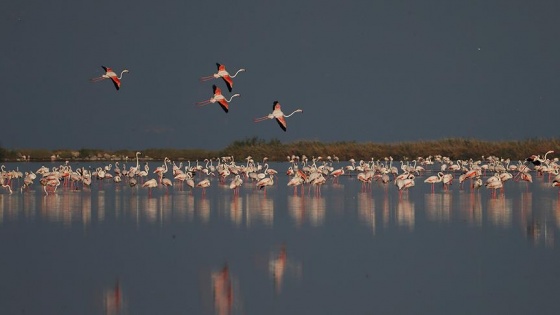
x=365, y=71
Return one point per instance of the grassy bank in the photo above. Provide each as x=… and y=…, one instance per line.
x=277, y=151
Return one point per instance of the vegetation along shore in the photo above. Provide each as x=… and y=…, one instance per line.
x=275, y=150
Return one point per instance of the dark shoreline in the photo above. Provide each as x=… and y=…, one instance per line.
x=274, y=150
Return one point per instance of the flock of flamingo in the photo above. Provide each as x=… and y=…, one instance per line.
x=217, y=96
x=302, y=172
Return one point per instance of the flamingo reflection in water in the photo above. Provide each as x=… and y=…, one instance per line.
x=222, y=289
x=279, y=265
x=113, y=300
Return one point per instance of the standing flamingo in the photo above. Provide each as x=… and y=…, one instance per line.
x=278, y=114
x=267, y=181
x=434, y=179
x=152, y=183
x=110, y=74
x=218, y=97
x=235, y=184
x=222, y=73
x=205, y=183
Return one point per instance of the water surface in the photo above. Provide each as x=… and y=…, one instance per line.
x=113, y=249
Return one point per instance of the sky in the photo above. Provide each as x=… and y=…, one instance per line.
x=364, y=71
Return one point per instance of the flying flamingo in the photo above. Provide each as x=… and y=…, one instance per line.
x=218, y=97
x=222, y=73
x=278, y=114
x=110, y=74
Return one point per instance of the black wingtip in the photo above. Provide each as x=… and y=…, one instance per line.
x=281, y=125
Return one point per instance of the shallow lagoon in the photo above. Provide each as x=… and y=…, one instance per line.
x=113, y=249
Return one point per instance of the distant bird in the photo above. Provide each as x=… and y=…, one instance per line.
x=132, y=182
x=222, y=73
x=434, y=179
x=447, y=180
x=494, y=185
x=267, y=181
x=235, y=183
x=189, y=180
x=536, y=159
x=110, y=74
x=477, y=183
x=166, y=182
x=336, y=173
x=218, y=97
x=152, y=183
x=295, y=182
x=556, y=183
x=405, y=183
x=278, y=115
x=205, y=183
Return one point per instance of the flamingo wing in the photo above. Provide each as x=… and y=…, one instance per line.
x=228, y=81
x=281, y=122
x=224, y=104
x=116, y=82
x=216, y=90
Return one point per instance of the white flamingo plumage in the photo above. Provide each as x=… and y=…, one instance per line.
x=219, y=98
x=434, y=179
x=222, y=73
x=278, y=115
x=110, y=74
x=265, y=182
x=152, y=183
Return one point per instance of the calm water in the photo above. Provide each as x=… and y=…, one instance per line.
x=112, y=249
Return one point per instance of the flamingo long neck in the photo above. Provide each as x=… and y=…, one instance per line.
x=120, y=76
x=295, y=111
x=234, y=95
x=233, y=76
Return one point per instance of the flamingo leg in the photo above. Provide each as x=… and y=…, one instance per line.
x=210, y=77
x=97, y=79
x=260, y=119
x=203, y=103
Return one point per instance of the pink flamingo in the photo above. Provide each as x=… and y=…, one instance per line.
x=110, y=74
x=222, y=73
x=218, y=97
x=278, y=115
